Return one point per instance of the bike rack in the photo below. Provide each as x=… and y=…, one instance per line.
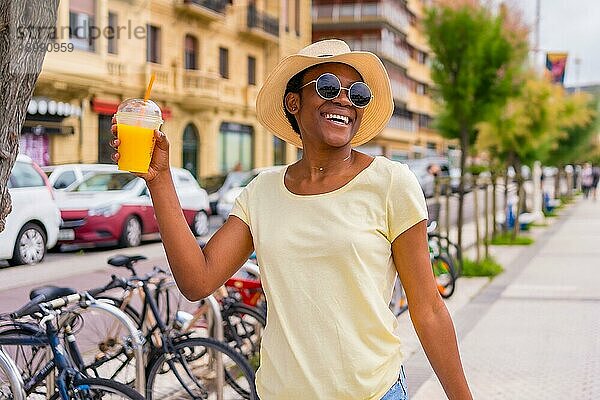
x=215, y=324
x=14, y=377
x=137, y=341
x=134, y=334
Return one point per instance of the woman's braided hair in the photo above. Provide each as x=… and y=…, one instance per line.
x=293, y=86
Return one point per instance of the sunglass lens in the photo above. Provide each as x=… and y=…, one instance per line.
x=328, y=86
x=360, y=94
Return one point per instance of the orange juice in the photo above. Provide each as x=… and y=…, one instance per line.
x=135, y=150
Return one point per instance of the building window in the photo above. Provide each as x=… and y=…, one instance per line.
x=153, y=44
x=112, y=33
x=425, y=121
x=369, y=9
x=236, y=146
x=190, y=52
x=347, y=10
x=278, y=151
x=324, y=11
x=251, y=70
x=82, y=14
x=297, y=17
x=421, y=89
x=224, y=62
x=190, y=149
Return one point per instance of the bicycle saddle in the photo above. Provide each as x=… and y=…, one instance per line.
x=51, y=292
x=122, y=260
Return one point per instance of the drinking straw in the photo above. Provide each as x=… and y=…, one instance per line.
x=149, y=88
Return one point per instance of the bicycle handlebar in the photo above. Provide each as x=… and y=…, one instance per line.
x=36, y=304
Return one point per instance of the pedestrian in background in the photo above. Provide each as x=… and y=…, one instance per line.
x=330, y=231
x=587, y=179
x=595, y=180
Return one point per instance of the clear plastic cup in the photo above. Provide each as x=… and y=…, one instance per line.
x=136, y=122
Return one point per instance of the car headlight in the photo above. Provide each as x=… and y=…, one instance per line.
x=105, y=211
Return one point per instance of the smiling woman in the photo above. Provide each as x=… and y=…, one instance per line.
x=331, y=233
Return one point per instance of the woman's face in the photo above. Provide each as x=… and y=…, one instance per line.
x=319, y=119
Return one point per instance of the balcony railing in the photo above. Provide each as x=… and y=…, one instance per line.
x=217, y=6
x=262, y=21
x=402, y=123
x=360, y=12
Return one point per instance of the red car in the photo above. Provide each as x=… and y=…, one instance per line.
x=114, y=207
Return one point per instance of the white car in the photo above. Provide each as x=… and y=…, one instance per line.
x=64, y=175
x=33, y=224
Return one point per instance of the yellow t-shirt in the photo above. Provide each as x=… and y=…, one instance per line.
x=327, y=271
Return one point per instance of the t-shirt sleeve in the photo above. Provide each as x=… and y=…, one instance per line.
x=405, y=202
x=240, y=206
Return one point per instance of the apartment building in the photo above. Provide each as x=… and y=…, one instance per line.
x=210, y=58
x=390, y=29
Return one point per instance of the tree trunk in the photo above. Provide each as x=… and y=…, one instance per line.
x=464, y=144
x=494, y=192
x=486, y=236
x=557, y=183
x=519, y=178
x=476, y=215
x=26, y=27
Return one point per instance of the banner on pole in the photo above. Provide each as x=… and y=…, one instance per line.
x=555, y=65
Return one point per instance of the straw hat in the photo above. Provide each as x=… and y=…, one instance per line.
x=269, y=102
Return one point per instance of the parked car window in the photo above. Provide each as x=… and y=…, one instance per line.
x=64, y=180
x=24, y=175
x=104, y=182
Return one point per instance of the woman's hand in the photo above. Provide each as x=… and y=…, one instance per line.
x=160, y=156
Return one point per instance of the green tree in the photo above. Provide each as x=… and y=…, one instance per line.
x=576, y=142
x=476, y=57
x=531, y=127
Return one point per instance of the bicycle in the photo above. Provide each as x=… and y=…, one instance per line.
x=443, y=271
x=43, y=341
x=443, y=268
x=178, y=364
x=399, y=302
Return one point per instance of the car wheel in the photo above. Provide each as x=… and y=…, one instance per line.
x=30, y=246
x=201, y=224
x=132, y=232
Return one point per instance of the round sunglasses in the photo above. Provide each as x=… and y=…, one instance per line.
x=328, y=87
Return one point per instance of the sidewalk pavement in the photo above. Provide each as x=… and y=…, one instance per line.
x=534, y=331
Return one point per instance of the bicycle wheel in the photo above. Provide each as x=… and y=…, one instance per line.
x=399, y=303
x=28, y=360
x=443, y=270
x=106, y=345
x=190, y=372
x=243, y=327
x=11, y=385
x=128, y=309
x=98, y=388
x=170, y=300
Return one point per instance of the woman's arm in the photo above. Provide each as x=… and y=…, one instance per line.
x=198, y=273
x=428, y=312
